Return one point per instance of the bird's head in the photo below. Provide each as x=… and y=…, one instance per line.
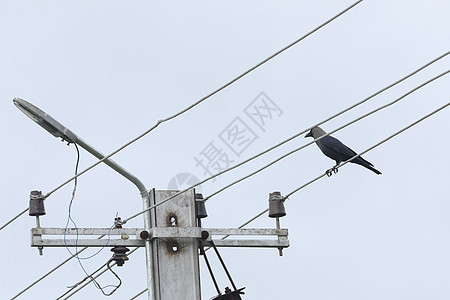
x=315, y=132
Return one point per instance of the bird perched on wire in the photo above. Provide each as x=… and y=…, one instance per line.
x=336, y=150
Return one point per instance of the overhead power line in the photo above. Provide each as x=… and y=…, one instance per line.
x=327, y=134
x=207, y=96
x=295, y=150
x=296, y=135
x=193, y=105
x=76, y=288
x=51, y=271
x=165, y=120
x=347, y=161
x=138, y=294
x=14, y=218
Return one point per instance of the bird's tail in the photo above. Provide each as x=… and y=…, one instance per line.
x=372, y=169
x=361, y=161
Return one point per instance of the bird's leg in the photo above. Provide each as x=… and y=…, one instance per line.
x=330, y=172
x=335, y=169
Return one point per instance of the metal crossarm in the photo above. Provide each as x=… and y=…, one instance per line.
x=135, y=237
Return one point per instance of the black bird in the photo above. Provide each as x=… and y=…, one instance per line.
x=334, y=149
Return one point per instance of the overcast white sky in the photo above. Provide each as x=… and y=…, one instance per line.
x=108, y=70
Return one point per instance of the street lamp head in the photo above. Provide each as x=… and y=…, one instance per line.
x=45, y=121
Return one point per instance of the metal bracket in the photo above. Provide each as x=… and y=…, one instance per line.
x=135, y=237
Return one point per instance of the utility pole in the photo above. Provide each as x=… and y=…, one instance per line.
x=172, y=233
x=175, y=257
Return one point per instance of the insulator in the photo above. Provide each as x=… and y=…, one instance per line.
x=120, y=255
x=36, y=204
x=200, y=206
x=276, y=205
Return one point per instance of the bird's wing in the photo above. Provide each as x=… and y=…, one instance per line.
x=344, y=151
x=335, y=149
x=337, y=146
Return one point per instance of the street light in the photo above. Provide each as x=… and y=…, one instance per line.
x=45, y=120
x=58, y=130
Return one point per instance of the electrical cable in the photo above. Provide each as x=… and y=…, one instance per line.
x=207, y=96
x=14, y=218
x=70, y=219
x=169, y=118
x=208, y=265
x=270, y=149
x=295, y=150
x=324, y=174
x=138, y=294
x=342, y=164
x=53, y=270
x=248, y=160
x=296, y=135
x=93, y=279
x=210, y=195
x=327, y=134
x=92, y=275
x=48, y=273
x=376, y=145
x=382, y=107
x=211, y=177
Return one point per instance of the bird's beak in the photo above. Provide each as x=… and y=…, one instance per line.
x=308, y=135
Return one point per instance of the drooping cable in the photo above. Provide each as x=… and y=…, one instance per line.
x=70, y=220
x=79, y=287
x=69, y=215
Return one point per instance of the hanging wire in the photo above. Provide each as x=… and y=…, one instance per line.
x=93, y=279
x=69, y=216
x=86, y=283
x=295, y=150
x=70, y=219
